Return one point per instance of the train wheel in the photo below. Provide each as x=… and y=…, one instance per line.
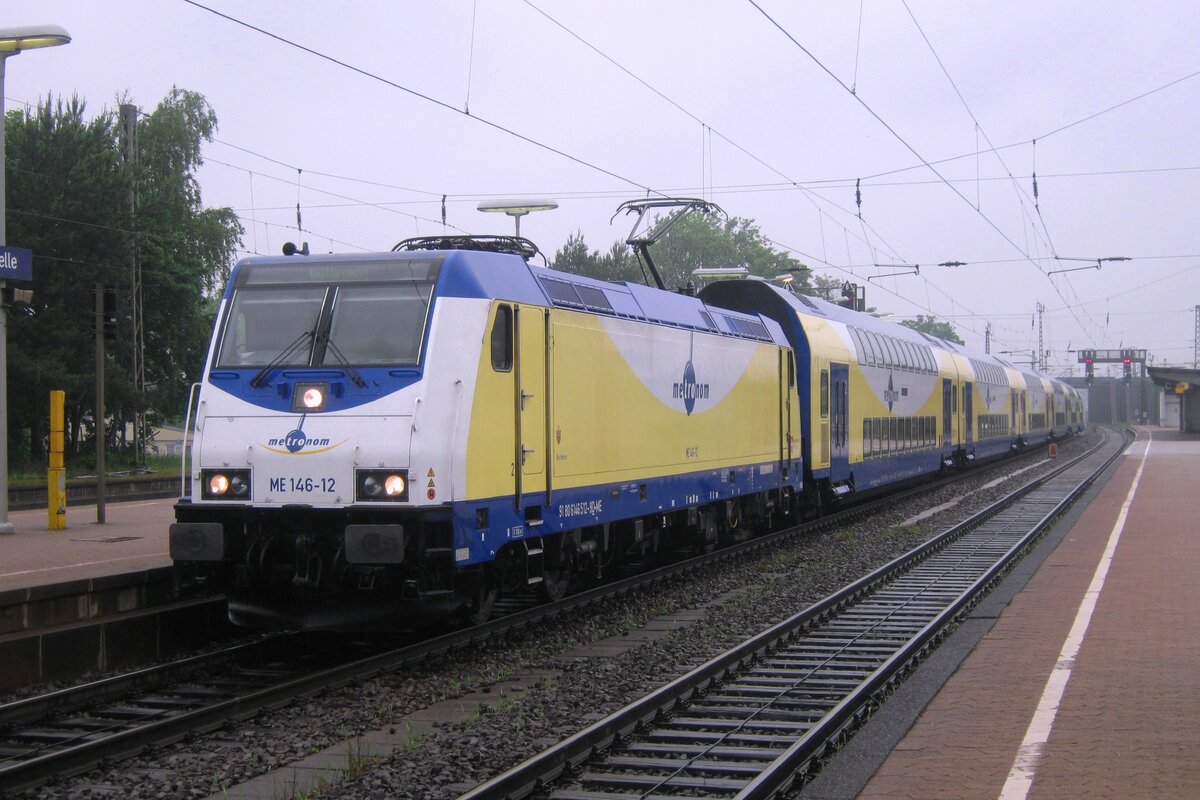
x=556, y=573
x=479, y=608
x=556, y=583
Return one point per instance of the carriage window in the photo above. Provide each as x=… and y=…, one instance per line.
x=824, y=393
x=502, y=339
x=876, y=346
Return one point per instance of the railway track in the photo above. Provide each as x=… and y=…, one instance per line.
x=750, y=722
x=70, y=731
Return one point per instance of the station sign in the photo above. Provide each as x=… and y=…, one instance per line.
x=16, y=264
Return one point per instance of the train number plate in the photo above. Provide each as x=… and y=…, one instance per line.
x=303, y=485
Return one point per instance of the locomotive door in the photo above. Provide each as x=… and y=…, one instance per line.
x=531, y=406
x=947, y=410
x=839, y=462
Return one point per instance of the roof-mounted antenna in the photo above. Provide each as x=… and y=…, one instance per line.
x=641, y=244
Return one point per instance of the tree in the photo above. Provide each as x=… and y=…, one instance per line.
x=697, y=240
x=186, y=250
x=68, y=201
x=827, y=288
x=930, y=325
x=705, y=240
x=617, y=265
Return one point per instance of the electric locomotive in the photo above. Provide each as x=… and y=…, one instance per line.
x=385, y=438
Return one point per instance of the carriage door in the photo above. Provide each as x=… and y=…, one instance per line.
x=968, y=410
x=787, y=387
x=1012, y=415
x=531, y=406
x=839, y=463
x=947, y=409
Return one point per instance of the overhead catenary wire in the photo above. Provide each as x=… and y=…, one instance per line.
x=867, y=107
x=709, y=184
x=422, y=96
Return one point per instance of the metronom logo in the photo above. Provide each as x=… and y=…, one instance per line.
x=688, y=389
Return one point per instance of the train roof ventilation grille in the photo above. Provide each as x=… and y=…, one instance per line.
x=562, y=293
x=577, y=296
x=752, y=329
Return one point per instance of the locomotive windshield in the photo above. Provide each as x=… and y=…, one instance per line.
x=357, y=318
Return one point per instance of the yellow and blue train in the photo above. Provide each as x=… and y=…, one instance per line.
x=884, y=403
x=383, y=438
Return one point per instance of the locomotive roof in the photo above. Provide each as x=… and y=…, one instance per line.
x=506, y=276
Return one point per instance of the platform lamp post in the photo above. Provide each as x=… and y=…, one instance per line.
x=517, y=208
x=12, y=42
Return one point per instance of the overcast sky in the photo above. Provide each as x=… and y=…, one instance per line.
x=772, y=110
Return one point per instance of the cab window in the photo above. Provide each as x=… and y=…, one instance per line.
x=502, y=339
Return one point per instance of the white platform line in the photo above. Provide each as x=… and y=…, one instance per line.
x=1029, y=756
x=101, y=562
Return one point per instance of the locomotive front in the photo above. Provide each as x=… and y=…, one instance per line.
x=301, y=467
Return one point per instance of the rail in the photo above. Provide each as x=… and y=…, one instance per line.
x=747, y=722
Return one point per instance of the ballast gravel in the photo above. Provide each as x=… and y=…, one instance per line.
x=757, y=591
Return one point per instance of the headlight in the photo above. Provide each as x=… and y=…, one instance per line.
x=381, y=484
x=225, y=484
x=310, y=397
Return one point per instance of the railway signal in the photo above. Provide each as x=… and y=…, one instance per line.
x=1126, y=357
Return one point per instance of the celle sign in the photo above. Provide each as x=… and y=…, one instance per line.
x=16, y=264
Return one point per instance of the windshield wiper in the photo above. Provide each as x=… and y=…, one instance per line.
x=260, y=377
x=344, y=363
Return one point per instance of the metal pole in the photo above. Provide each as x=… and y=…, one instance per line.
x=129, y=148
x=100, y=433
x=5, y=525
x=47, y=36
x=1041, y=347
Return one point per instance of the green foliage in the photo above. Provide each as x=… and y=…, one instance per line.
x=68, y=201
x=617, y=265
x=930, y=325
x=697, y=240
x=705, y=240
x=827, y=288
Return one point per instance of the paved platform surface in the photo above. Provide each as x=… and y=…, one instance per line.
x=133, y=537
x=1087, y=684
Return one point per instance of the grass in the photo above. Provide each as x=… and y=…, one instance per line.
x=114, y=464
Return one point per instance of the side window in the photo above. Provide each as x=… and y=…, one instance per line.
x=824, y=393
x=502, y=339
x=791, y=371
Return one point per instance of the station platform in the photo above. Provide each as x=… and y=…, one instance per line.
x=134, y=537
x=1078, y=677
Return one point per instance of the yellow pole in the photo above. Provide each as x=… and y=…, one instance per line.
x=56, y=475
